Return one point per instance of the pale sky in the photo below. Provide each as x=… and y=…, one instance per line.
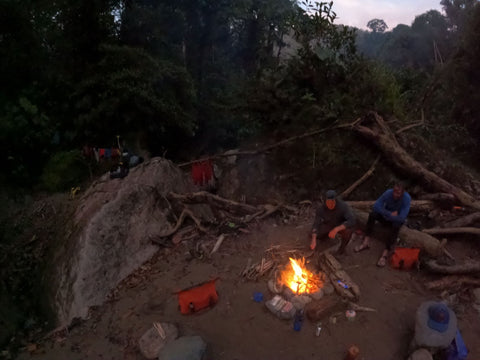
x=358, y=12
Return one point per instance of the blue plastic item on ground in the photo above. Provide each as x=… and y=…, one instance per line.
x=258, y=296
x=457, y=349
x=297, y=323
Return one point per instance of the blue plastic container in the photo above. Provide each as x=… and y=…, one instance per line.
x=298, y=322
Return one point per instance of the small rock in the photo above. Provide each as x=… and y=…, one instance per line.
x=300, y=301
x=184, y=348
x=317, y=295
x=151, y=342
x=421, y=354
x=274, y=286
x=476, y=295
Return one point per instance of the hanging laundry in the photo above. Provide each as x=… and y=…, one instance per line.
x=202, y=172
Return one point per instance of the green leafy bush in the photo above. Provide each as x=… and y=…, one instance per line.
x=64, y=170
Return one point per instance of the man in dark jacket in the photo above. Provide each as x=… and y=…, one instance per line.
x=390, y=209
x=333, y=217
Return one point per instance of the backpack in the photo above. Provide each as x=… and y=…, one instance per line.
x=404, y=258
x=197, y=297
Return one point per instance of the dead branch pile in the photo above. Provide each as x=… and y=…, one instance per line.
x=255, y=271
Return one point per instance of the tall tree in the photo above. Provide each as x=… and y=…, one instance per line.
x=458, y=12
x=377, y=26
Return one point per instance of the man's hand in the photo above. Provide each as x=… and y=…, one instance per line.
x=313, y=243
x=395, y=213
x=333, y=232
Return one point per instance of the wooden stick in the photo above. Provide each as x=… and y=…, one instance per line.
x=356, y=307
x=217, y=244
x=364, y=177
x=459, y=230
x=411, y=126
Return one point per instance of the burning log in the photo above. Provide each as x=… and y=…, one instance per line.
x=299, y=279
x=341, y=281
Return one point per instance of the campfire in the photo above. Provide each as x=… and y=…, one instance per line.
x=299, y=279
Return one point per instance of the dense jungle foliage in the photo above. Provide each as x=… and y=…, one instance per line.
x=190, y=77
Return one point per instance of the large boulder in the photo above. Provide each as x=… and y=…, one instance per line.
x=114, y=222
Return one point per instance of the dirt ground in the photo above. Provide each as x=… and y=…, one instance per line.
x=238, y=328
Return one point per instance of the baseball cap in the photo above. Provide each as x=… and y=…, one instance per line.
x=331, y=194
x=438, y=317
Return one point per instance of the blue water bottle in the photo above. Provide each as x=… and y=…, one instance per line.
x=297, y=323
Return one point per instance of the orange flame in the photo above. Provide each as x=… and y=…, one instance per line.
x=299, y=279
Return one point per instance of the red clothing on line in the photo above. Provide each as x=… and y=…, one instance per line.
x=202, y=172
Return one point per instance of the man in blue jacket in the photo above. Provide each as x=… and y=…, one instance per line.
x=390, y=209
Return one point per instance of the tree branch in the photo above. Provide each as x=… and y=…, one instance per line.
x=272, y=146
x=365, y=176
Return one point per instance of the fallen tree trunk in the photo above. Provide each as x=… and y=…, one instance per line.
x=412, y=238
x=452, y=282
x=384, y=138
x=416, y=206
x=463, y=221
x=442, y=197
x=214, y=200
x=459, y=230
x=469, y=267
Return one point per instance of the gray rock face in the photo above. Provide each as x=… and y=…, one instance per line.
x=184, y=348
x=151, y=342
x=115, y=220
